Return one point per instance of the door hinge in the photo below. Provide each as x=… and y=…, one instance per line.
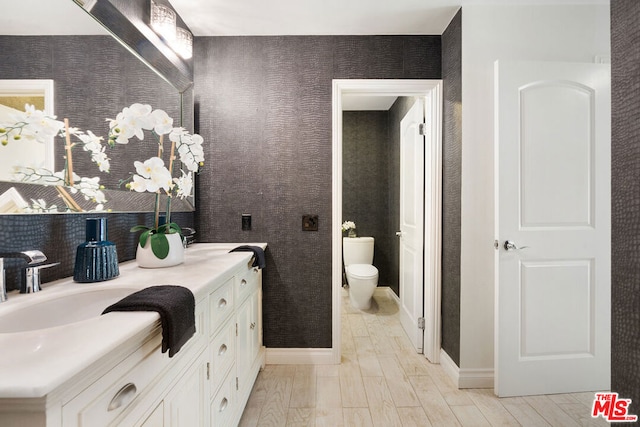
x=236, y=329
x=422, y=129
x=236, y=383
x=208, y=371
x=421, y=323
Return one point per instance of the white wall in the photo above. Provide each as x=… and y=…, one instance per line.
x=573, y=33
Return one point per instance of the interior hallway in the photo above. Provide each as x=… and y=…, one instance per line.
x=382, y=382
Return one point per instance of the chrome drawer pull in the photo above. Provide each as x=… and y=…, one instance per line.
x=223, y=404
x=243, y=283
x=222, y=303
x=222, y=350
x=123, y=397
x=253, y=325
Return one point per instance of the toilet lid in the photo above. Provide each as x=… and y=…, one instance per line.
x=362, y=270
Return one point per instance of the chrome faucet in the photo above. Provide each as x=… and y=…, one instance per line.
x=31, y=257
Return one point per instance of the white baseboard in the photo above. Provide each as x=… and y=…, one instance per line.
x=466, y=378
x=386, y=291
x=299, y=356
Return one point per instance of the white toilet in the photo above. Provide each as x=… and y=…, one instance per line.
x=362, y=276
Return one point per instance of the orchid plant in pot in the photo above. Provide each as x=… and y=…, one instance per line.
x=160, y=245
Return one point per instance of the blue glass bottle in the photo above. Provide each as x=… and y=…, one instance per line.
x=97, y=258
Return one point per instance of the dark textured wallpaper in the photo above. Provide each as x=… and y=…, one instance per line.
x=264, y=108
x=365, y=185
x=451, y=185
x=625, y=198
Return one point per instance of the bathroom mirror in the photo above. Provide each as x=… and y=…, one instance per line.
x=14, y=94
x=94, y=76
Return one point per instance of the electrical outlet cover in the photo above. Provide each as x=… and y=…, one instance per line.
x=309, y=222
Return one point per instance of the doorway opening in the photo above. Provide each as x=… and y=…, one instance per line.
x=431, y=92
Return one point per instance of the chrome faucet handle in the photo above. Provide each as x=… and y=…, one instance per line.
x=32, y=279
x=31, y=257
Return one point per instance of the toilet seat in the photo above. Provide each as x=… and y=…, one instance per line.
x=362, y=271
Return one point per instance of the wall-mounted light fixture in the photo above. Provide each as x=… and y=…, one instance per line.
x=163, y=22
x=183, y=44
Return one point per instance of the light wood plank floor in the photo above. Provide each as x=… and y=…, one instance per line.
x=382, y=382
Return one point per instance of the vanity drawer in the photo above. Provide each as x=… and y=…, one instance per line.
x=247, y=282
x=110, y=396
x=224, y=404
x=221, y=305
x=222, y=354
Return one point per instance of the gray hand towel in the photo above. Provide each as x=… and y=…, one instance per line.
x=176, y=306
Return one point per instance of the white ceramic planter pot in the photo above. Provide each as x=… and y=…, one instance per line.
x=147, y=259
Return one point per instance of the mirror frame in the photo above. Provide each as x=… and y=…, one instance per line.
x=127, y=21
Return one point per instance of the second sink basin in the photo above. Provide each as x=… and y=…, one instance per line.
x=60, y=310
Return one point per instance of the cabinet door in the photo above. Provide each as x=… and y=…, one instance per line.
x=156, y=419
x=248, y=343
x=185, y=404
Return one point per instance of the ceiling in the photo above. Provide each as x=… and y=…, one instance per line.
x=264, y=17
x=329, y=17
x=50, y=17
x=313, y=17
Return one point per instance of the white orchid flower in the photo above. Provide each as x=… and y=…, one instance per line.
x=184, y=184
x=30, y=124
x=177, y=133
x=93, y=144
x=189, y=148
x=139, y=184
x=162, y=123
x=155, y=173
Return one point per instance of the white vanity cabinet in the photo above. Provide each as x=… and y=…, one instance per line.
x=236, y=352
x=207, y=383
x=125, y=394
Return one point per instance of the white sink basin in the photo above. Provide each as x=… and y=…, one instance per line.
x=63, y=309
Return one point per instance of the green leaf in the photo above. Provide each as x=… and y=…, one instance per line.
x=170, y=228
x=175, y=228
x=143, y=238
x=160, y=245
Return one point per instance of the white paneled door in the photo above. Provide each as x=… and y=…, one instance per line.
x=552, y=227
x=411, y=232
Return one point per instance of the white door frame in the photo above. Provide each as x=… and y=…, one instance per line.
x=432, y=91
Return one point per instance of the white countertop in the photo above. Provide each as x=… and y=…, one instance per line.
x=34, y=363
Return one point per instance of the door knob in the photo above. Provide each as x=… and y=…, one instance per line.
x=510, y=246
x=399, y=233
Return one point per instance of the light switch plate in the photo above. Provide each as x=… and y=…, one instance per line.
x=246, y=222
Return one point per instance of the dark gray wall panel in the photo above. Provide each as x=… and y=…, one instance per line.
x=625, y=169
x=451, y=182
x=365, y=182
x=265, y=111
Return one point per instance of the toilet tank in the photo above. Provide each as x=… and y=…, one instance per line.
x=357, y=250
